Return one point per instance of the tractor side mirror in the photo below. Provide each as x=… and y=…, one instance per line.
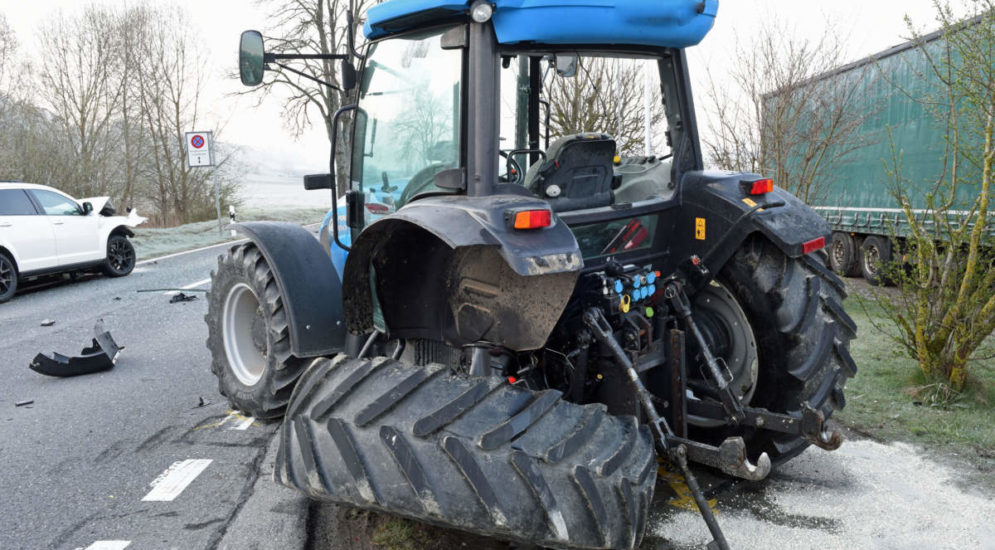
x=251, y=58
x=566, y=64
x=348, y=75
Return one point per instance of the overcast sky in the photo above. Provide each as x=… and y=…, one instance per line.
x=870, y=25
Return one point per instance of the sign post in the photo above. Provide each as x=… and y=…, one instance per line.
x=200, y=152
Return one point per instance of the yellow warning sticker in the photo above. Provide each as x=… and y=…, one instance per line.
x=699, y=229
x=751, y=204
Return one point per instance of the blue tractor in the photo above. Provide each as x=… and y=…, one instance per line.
x=510, y=333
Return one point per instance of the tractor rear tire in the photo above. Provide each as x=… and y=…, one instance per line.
x=248, y=335
x=474, y=454
x=802, y=333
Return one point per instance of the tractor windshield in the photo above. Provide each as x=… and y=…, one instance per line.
x=408, y=129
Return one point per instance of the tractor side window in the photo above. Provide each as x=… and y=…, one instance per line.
x=410, y=97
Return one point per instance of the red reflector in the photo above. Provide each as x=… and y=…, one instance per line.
x=813, y=245
x=533, y=219
x=512, y=380
x=377, y=208
x=760, y=187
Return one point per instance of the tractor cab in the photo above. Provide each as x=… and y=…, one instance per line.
x=525, y=305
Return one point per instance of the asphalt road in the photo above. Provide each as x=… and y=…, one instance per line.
x=147, y=452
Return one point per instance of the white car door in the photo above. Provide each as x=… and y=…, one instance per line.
x=28, y=233
x=77, y=237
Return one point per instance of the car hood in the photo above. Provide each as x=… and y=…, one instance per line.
x=131, y=220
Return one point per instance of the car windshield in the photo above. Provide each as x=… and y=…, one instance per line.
x=408, y=128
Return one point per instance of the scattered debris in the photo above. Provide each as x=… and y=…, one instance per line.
x=25, y=402
x=201, y=402
x=142, y=290
x=47, y=323
x=181, y=297
x=117, y=298
x=99, y=356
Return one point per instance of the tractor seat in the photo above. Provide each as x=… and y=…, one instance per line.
x=576, y=174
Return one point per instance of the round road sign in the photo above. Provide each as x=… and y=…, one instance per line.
x=197, y=142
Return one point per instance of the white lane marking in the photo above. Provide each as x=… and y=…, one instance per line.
x=208, y=247
x=175, y=254
x=109, y=545
x=188, y=287
x=175, y=479
x=243, y=423
x=238, y=422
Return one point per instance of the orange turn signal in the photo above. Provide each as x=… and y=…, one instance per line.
x=533, y=219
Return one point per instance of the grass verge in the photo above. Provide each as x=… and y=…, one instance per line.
x=155, y=242
x=882, y=400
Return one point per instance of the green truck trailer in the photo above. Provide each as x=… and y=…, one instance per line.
x=895, y=129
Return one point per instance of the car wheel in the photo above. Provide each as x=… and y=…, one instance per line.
x=120, y=256
x=8, y=277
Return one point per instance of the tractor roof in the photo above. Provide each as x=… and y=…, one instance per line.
x=660, y=23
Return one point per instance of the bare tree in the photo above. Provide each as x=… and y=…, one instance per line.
x=946, y=310
x=312, y=26
x=170, y=71
x=775, y=115
x=604, y=96
x=78, y=76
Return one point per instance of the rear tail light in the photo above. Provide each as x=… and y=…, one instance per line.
x=377, y=208
x=758, y=187
x=532, y=219
x=813, y=245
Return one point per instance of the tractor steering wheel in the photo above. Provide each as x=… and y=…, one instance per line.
x=513, y=173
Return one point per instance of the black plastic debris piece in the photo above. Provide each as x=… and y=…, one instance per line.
x=99, y=356
x=24, y=403
x=181, y=297
x=47, y=323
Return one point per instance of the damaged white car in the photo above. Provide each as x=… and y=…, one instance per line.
x=45, y=231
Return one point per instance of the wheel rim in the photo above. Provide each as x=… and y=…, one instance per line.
x=6, y=276
x=839, y=253
x=120, y=255
x=242, y=324
x=871, y=258
x=731, y=337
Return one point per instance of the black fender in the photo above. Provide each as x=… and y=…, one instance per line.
x=307, y=281
x=452, y=269
x=716, y=216
x=122, y=230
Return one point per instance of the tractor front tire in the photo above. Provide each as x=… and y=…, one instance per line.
x=474, y=454
x=248, y=335
x=802, y=333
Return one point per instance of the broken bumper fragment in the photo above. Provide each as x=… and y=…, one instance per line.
x=99, y=356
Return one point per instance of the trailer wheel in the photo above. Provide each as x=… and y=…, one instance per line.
x=875, y=253
x=474, y=454
x=843, y=255
x=248, y=335
x=793, y=308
